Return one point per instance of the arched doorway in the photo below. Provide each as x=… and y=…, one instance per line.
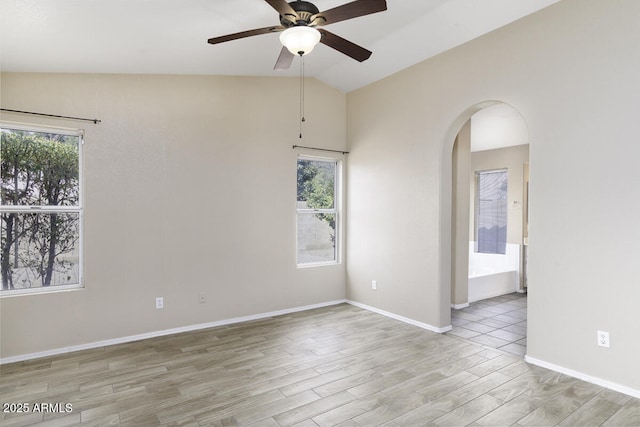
x=491, y=142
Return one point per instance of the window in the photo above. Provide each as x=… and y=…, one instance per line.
x=40, y=209
x=491, y=212
x=317, y=211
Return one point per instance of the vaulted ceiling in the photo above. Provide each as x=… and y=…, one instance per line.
x=170, y=36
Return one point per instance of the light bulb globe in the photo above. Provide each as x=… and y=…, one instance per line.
x=300, y=40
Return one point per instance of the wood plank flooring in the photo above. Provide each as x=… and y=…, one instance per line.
x=338, y=365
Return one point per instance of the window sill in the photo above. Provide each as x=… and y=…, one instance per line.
x=40, y=291
x=317, y=264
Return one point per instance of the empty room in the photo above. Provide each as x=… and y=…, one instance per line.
x=271, y=213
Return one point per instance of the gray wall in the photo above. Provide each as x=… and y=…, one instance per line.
x=572, y=71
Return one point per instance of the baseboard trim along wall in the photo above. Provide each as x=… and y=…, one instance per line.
x=459, y=306
x=131, y=338
x=579, y=375
x=584, y=377
x=401, y=318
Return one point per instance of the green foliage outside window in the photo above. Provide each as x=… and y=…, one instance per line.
x=316, y=186
x=40, y=172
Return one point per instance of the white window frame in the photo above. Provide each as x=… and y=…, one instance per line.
x=48, y=209
x=337, y=204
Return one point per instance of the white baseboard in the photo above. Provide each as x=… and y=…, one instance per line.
x=131, y=338
x=460, y=306
x=579, y=375
x=584, y=377
x=401, y=318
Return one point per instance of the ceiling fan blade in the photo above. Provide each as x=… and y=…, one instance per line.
x=284, y=9
x=345, y=46
x=284, y=60
x=350, y=10
x=243, y=34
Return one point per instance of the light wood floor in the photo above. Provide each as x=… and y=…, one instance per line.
x=338, y=365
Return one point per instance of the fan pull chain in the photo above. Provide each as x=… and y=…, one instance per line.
x=302, y=119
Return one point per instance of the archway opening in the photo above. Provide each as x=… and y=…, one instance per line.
x=488, y=214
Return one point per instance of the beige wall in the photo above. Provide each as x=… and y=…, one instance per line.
x=464, y=166
x=190, y=189
x=571, y=70
x=512, y=159
x=180, y=165
x=460, y=216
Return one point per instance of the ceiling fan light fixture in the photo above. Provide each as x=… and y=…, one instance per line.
x=300, y=40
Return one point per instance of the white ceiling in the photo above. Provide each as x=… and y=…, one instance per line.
x=170, y=36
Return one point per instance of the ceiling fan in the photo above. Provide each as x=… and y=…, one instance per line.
x=300, y=23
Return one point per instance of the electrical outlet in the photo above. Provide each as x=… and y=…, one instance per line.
x=202, y=298
x=159, y=302
x=603, y=339
x=374, y=285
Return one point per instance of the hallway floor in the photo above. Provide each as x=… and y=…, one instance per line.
x=499, y=322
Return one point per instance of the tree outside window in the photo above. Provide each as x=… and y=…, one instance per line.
x=317, y=212
x=40, y=210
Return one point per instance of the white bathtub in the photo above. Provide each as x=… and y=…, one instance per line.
x=492, y=275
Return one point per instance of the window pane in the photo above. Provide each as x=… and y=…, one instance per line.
x=492, y=212
x=39, y=168
x=316, y=238
x=39, y=250
x=316, y=184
